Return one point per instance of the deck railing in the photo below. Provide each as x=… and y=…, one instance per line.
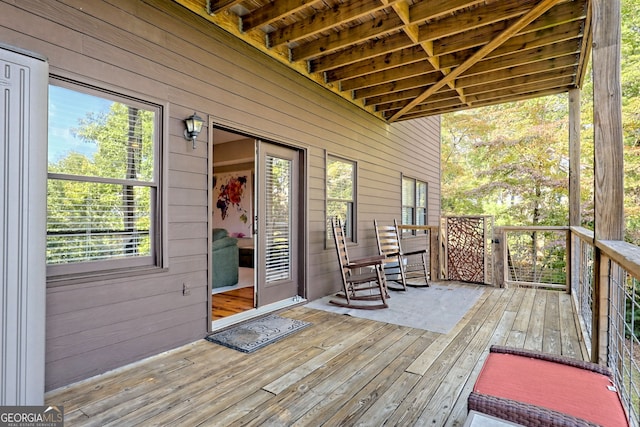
x=582, y=279
x=617, y=307
x=533, y=256
x=603, y=278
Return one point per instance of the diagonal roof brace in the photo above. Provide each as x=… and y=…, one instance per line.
x=518, y=25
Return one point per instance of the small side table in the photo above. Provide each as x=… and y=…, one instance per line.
x=246, y=257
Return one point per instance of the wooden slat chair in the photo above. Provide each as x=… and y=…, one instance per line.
x=405, y=266
x=362, y=279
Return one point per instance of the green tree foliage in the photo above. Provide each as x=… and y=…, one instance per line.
x=340, y=190
x=511, y=160
x=630, y=75
x=92, y=220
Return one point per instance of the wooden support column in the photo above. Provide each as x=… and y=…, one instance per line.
x=608, y=152
x=574, y=157
x=574, y=186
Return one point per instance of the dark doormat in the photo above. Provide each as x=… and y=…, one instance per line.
x=258, y=333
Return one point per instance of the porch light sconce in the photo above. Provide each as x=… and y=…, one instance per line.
x=194, y=126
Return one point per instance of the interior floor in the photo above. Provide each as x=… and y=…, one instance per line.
x=245, y=279
x=231, y=302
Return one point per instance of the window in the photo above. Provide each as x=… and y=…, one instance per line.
x=103, y=193
x=414, y=202
x=341, y=191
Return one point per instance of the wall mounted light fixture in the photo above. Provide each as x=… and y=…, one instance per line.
x=194, y=126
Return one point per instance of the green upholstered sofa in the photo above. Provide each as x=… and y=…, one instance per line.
x=224, y=251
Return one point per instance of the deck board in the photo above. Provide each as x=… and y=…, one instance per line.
x=340, y=371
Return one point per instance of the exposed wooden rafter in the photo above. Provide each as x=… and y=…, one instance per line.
x=404, y=59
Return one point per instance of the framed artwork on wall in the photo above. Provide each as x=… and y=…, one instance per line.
x=233, y=196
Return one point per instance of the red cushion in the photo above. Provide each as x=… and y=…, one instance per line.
x=574, y=391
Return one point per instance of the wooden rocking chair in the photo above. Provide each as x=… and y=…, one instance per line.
x=399, y=264
x=362, y=279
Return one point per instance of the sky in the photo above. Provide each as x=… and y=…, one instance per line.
x=66, y=108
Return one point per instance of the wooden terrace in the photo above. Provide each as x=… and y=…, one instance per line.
x=340, y=371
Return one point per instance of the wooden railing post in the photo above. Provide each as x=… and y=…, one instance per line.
x=434, y=253
x=574, y=158
x=569, y=255
x=498, y=257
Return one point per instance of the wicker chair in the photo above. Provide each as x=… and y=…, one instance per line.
x=537, y=389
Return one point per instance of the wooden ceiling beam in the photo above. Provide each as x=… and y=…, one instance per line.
x=402, y=59
x=516, y=94
x=506, y=77
x=546, y=36
x=346, y=38
x=324, y=20
x=517, y=81
x=412, y=31
x=562, y=13
x=510, y=56
x=425, y=108
x=449, y=94
x=568, y=61
x=587, y=43
x=424, y=11
x=521, y=58
x=509, y=90
x=381, y=77
x=362, y=82
x=526, y=41
x=393, y=96
x=438, y=109
x=512, y=90
x=378, y=63
x=218, y=6
x=401, y=9
x=522, y=22
x=474, y=18
x=419, y=81
x=370, y=49
x=403, y=95
x=325, y=64
x=273, y=11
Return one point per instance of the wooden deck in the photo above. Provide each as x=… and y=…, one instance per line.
x=340, y=371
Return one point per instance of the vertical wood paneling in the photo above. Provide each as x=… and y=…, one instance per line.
x=157, y=49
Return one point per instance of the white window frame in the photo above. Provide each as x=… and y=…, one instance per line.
x=157, y=259
x=349, y=223
x=414, y=205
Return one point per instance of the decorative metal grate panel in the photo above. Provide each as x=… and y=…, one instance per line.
x=624, y=337
x=583, y=289
x=467, y=248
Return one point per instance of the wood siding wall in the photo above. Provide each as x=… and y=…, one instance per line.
x=158, y=50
